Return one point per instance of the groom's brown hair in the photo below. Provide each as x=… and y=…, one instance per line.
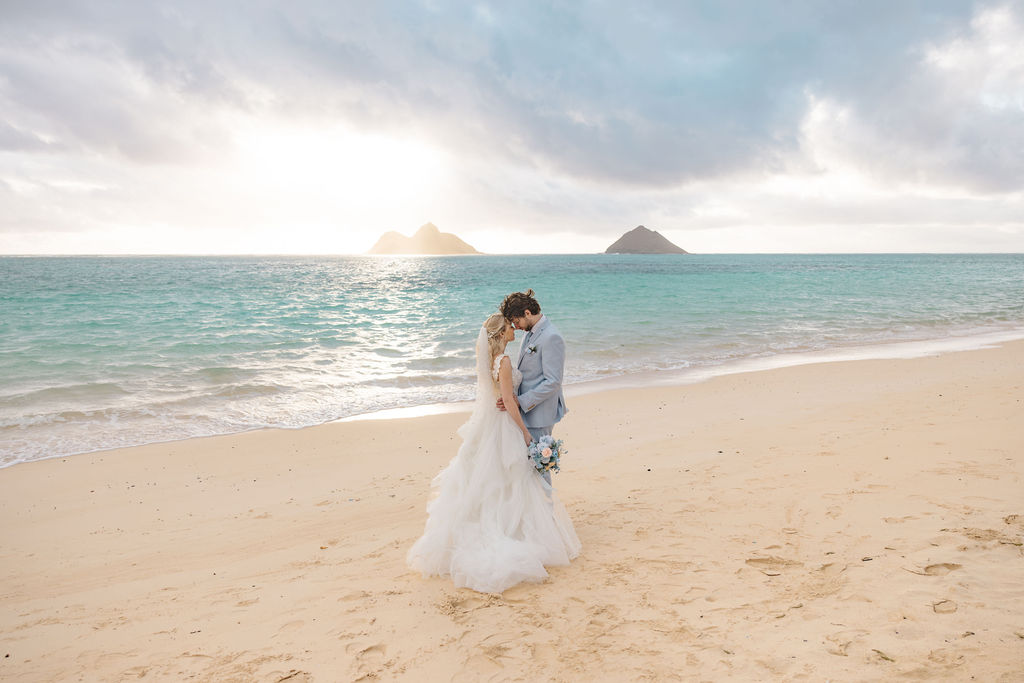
x=517, y=304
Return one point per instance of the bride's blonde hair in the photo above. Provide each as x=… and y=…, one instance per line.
x=495, y=327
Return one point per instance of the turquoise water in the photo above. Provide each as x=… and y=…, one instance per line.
x=103, y=352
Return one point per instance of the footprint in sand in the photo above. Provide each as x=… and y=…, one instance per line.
x=368, y=658
x=293, y=676
x=354, y=595
x=824, y=581
x=839, y=643
x=898, y=520
x=135, y=672
x=771, y=565
x=506, y=645
x=837, y=646
x=457, y=607
x=944, y=607
x=987, y=535
x=938, y=569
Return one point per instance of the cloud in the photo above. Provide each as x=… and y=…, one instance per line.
x=653, y=93
x=15, y=140
x=954, y=118
x=587, y=117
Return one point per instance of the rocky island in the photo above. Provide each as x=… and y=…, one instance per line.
x=427, y=240
x=640, y=240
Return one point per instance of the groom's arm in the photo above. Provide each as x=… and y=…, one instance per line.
x=552, y=364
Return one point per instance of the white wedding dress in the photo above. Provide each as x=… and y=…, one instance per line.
x=493, y=521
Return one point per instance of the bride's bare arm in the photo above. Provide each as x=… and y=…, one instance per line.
x=508, y=396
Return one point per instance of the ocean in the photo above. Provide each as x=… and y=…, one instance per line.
x=103, y=352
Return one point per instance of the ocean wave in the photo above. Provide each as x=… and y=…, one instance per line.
x=224, y=374
x=418, y=380
x=83, y=392
x=245, y=391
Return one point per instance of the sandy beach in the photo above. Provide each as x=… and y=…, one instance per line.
x=848, y=521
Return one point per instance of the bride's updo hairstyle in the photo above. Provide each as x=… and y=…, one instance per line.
x=495, y=327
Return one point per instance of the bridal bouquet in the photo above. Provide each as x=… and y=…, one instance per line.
x=545, y=452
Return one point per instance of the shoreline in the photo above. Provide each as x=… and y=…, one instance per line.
x=784, y=524
x=895, y=350
x=651, y=378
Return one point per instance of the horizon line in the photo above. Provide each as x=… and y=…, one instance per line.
x=522, y=253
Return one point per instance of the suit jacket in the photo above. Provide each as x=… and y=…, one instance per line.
x=542, y=362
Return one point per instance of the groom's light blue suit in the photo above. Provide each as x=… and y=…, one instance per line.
x=542, y=362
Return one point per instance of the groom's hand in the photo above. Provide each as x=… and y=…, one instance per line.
x=501, y=404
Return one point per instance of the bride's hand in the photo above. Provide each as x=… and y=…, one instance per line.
x=528, y=438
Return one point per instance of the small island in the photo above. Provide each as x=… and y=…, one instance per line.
x=428, y=240
x=640, y=240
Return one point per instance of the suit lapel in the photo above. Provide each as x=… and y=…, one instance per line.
x=538, y=330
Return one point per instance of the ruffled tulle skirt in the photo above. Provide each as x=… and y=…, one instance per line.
x=493, y=521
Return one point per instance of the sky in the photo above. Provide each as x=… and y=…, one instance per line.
x=313, y=127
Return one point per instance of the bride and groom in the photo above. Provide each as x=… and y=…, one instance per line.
x=495, y=520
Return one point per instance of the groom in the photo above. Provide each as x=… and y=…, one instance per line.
x=541, y=360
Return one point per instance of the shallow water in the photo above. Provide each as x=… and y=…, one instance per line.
x=102, y=352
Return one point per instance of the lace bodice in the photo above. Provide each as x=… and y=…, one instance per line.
x=517, y=377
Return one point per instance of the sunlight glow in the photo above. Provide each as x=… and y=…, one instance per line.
x=364, y=168
x=318, y=184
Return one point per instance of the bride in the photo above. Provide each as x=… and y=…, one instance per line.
x=493, y=521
